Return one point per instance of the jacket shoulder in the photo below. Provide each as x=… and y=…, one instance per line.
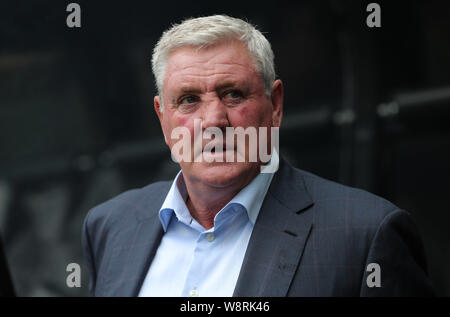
x=352, y=229
x=348, y=204
x=139, y=202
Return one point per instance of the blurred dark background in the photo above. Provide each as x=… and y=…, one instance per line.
x=368, y=107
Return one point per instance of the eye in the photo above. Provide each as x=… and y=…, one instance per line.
x=188, y=100
x=187, y=104
x=233, y=94
x=232, y=97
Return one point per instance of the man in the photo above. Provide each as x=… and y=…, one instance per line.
x=223, y=228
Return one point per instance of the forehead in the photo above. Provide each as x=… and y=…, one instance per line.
x=224, y=61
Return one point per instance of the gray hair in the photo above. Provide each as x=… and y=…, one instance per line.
x=205, y=31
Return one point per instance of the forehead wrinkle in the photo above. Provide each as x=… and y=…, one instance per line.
x=207, y=67
x=178, y=61
x=234, y=63
x=189, y=69
x=210, y=75
x=214, y=79
x=205, y=87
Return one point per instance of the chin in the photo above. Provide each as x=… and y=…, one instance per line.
x=223, y=174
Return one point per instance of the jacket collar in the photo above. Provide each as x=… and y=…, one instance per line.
x=278, y=238
x=275, y=247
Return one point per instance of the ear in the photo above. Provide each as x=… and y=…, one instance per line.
x=157, y=105
x=276, y=95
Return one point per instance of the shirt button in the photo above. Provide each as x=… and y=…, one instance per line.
x=210, y=237
x=193, y=293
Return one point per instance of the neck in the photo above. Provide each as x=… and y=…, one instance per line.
x=205, y=201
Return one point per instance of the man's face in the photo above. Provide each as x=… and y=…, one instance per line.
x=220, y=86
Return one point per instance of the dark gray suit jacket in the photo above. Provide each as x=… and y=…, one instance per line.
x=312, y=237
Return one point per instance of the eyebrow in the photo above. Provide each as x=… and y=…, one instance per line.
x=188, y=90
x=222, y=86
x=227, y=84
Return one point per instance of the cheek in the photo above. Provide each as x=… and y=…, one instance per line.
x=255, y=114
x=184, y=122
x=241, y=114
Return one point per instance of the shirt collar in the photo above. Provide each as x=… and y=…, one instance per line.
x=175, y=202
x=251, y=197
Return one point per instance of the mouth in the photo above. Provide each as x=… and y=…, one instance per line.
x=219, y=148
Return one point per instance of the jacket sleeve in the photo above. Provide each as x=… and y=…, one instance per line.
x=396, y=264
x=88, y=254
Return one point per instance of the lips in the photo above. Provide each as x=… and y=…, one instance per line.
x=218, y=147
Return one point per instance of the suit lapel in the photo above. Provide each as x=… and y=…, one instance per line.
x=135, y=261
x=273, y=253
x=278, y=238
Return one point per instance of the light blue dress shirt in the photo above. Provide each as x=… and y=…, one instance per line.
x=193, y=261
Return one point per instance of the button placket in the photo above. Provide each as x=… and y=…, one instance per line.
x=210, y=236
x=193, y=293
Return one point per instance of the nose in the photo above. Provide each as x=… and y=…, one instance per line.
x=214, y=114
